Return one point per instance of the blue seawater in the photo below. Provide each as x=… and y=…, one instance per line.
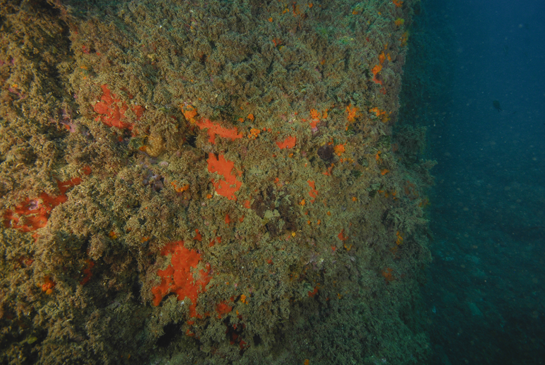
x=485, y=293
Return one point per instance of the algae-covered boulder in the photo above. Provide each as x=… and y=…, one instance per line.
x=208, y=182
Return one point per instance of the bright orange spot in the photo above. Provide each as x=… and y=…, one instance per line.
x=399, y=238
x=296, y=10
x=380, y=114
x=227, y=219
x=313, y=193
x=384, y=172
x=254, y=133
x=313, y=293
x=48, y=285
x=381, y=58
x=87, y=271
x=189, y=112
x=375, y=71
x=398, y=3
x=388, y=274
x=251, y=117
x=341, y=236
x=198, y=236
x=179, y=189
x=339, y=149
x=315, y=117
x=328, y=172
x=353, y=113
x=223, y=308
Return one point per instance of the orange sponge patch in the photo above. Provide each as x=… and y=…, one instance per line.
x=375, y=71
x=178, y=278
x=339, y=149
x=223, y=167
x=313, y=193
x=287, y=143
x=216, y=129
x=111, y=113
x=32, y=214
x=223, y=308
x=48, y=285
x=352, y=112
x=342, y=236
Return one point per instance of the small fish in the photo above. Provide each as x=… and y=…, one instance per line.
x=496, y=105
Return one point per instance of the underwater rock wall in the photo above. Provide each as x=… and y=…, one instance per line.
x=208, y=182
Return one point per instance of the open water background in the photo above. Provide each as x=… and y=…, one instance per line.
x=485, y=294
